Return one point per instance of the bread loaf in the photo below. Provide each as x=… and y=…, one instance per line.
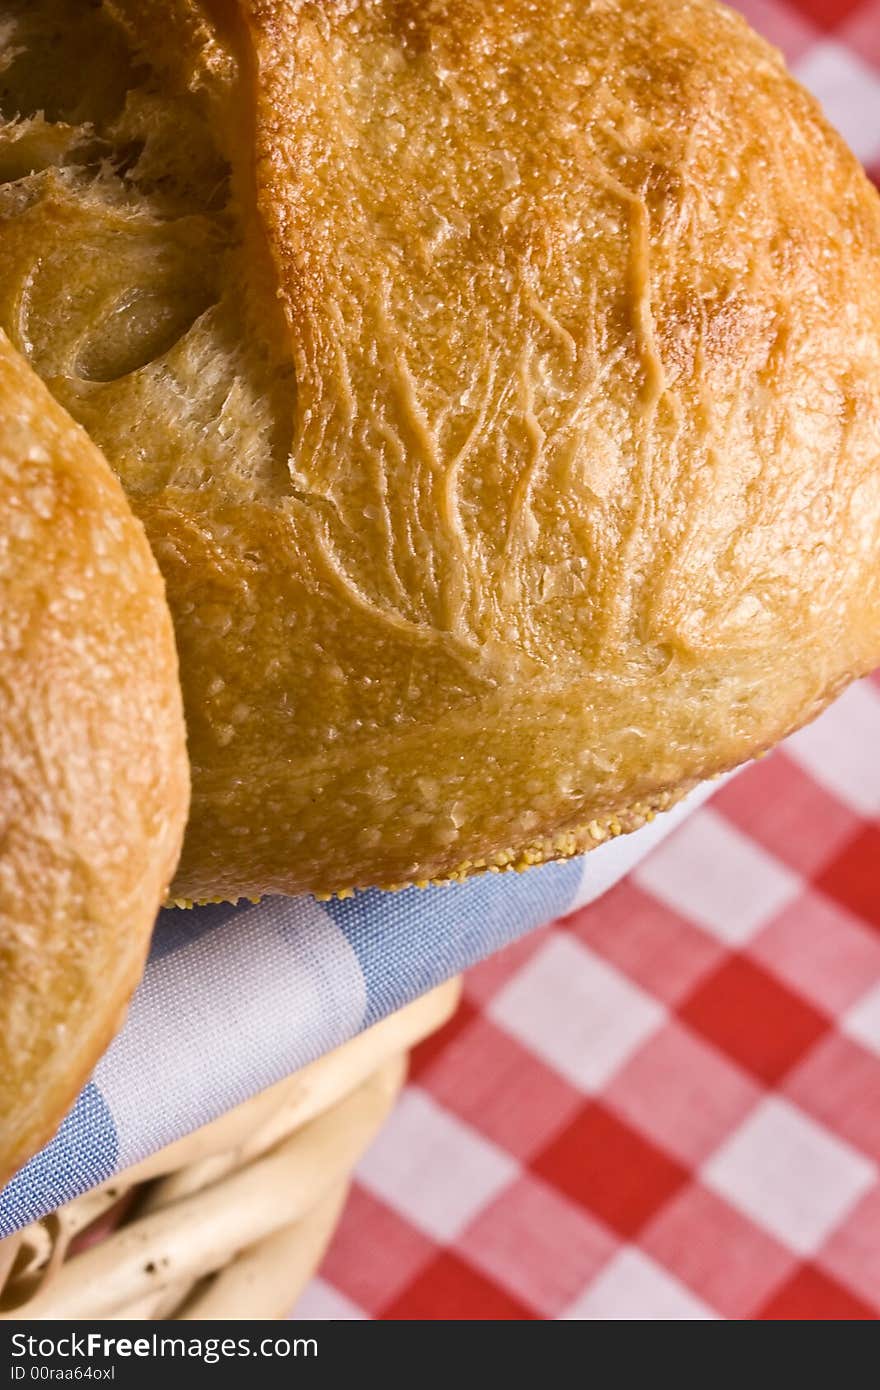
x=499, y=386
x=93, y=772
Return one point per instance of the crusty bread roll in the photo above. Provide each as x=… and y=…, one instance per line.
x=93, y=772
x=499, y=385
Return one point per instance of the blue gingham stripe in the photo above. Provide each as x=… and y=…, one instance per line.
x=237, y=997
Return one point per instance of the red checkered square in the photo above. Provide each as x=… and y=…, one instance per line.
x=776, y=803
x=375, y=1252
x=717, y=1251
x=503, y=1090
x=539, y=1245
x=810, y=1296
x=754, y=1018
x=826, y=14
x=611, y=1170
x=839, y=1084
x=861, y=32
x=852, y=1252
x=852, y=876
x=439, y=1044
x=820, y=951
x=647, y=941
x=781, y=24
x=451, y=1290
x=682, y=1093
x=483, y=981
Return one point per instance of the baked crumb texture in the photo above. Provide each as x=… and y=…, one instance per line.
x=93, y=772
x=499, y=386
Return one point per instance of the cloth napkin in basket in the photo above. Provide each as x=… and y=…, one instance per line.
x=237, y=997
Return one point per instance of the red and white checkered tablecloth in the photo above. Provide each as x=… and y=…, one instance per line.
x=667, y=1106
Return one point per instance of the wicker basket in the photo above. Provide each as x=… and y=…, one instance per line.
x=231, y=1222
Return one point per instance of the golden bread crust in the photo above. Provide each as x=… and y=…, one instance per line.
x=554, y=485
x=93, y=771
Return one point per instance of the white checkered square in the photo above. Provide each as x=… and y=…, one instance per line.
x=576, y=1012
x=862, y=1021
x=433, y=1168
x=790, y=1175
x=609, y=863
x=849, y=91
x=711, y=873
x=841, y=749
x=632, y=1288
x=321, y=1302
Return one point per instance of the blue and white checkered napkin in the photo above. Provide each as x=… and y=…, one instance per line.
x=237, y=997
